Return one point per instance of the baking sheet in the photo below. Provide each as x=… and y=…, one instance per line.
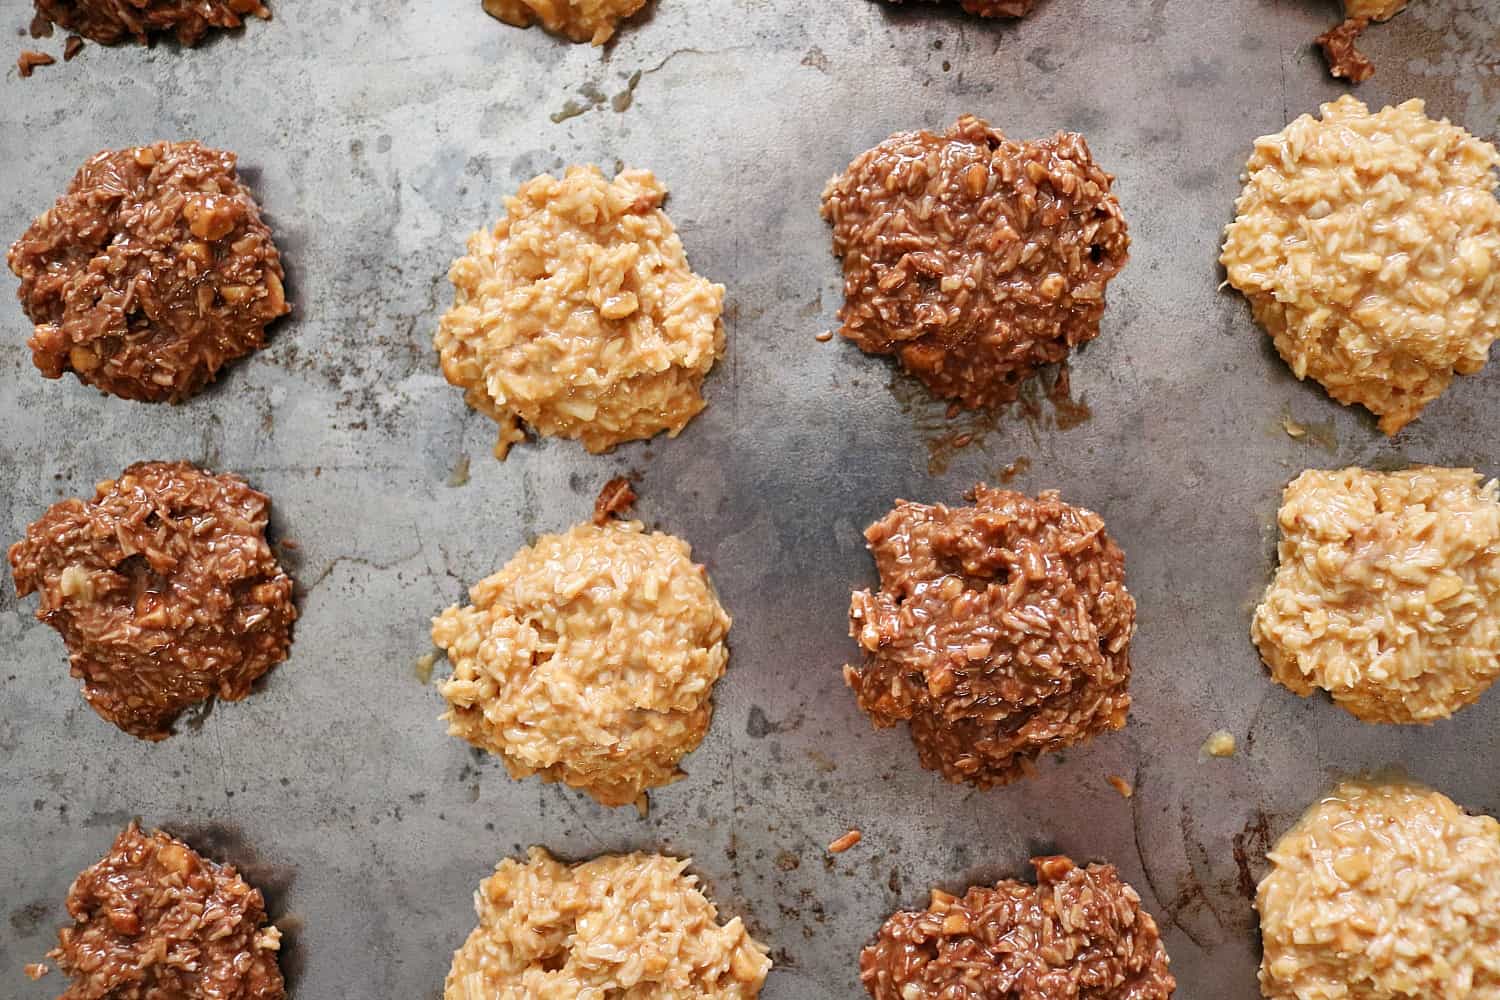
x=378, y=134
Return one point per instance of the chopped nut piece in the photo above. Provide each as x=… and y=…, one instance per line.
x=845, y=842
x=30, y=59
x=72, y=47
x=36, y=970
x=616, y=498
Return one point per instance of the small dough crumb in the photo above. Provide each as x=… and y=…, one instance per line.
x=423, y=667
x=1368, y=244
x=30, y=59
x=1220, y=743
x=590, y=659
x=1382, y=891
x=620, y=925
x=592, y=21
x=615, y=498
x=36, y=970
x=460, y=474
x=579, y=316
x=1387, y=595
x=845, y=842
x=1120, y=785
x=1293, y=428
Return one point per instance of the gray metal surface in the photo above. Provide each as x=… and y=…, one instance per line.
x=378, y=134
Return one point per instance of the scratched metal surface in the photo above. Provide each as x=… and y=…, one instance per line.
x=378, y=133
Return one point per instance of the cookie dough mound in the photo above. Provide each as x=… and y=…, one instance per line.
x=163, y=589
x=1382, y=891
x=151, y=273
x=973, y=258
x=578, y=315
x=1078, y=933
x=1001, y=631
x=1368, y=246
x=994, y=8
x=155, y=920
x=589, y=659
x=621, y=925
x=578, y=20
x=111, y=21
x=1338, y=42
x=1388, y=591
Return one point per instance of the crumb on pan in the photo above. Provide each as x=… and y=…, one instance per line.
x=1387, y=591
x=1120, y=785
x=1382, y=891
x=844, y=842
x=615, y=499
x=1220, y=743
x=30, y=59
x=619, y=925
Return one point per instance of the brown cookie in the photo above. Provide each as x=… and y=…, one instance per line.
x=111, y=21
x=974, y=258
x=163, y=588
x=155, y=920
x=1000, y=631
x=151, y=272
x=1078, y=933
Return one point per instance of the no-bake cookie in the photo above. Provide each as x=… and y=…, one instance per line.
x=578, y=315
x=1368, y=244
x=164, y=590
x=1382, y=891
x=1079, y=934
x=155, y=920
x=111, y=21
x=1000, y=631
x=974, y=258
x=621, y=925
x=151, y=273
x=577, y=20
x=590, y=659
x=1387, y=595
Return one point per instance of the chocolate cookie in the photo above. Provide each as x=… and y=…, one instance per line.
x=111, y=21
x=1000, y=631
x=974, y=258
x=163, y=588
x=1079, y=934
x=150, y=273
x=155, y=920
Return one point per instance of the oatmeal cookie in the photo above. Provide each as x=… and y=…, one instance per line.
x=111, y=21
x=579, y=316
x=590, y=659
x=155, y=920
x=993, y=8
x=1369, y=248
x=151, y=272
x=1382, y=891
x=1078, y=934
x=577, y=20
x=974, y=258
x=1000, y=631
x=164, y=590
x=1387, y=595
x=621, y=925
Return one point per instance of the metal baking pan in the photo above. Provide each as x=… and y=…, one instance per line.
x=378, y=134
